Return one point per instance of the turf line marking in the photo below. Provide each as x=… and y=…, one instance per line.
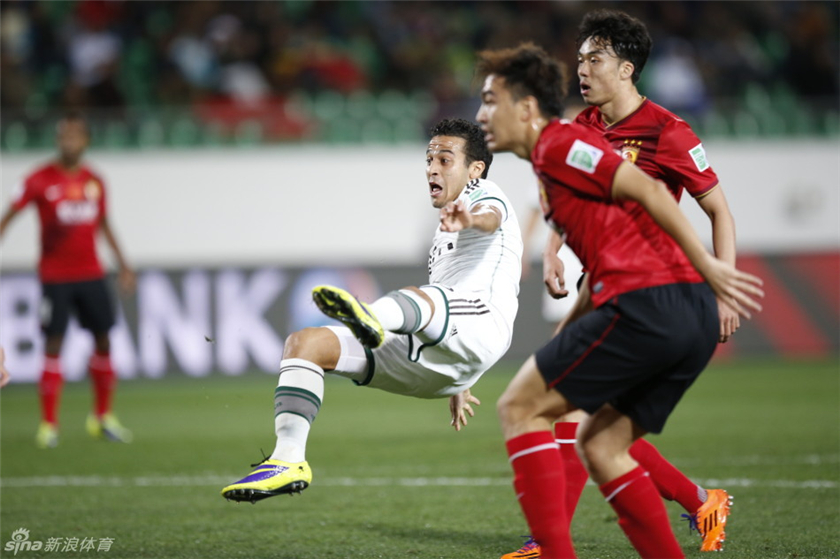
x=221, y=481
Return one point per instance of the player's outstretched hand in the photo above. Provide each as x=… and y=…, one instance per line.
x=127, y=281
x=554, y=276
x=455, y=217
x=4, y=374
x=733, y=287
x=459, y=407
x=730, y=321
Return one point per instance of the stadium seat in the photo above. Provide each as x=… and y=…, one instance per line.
x=377, y=131
x=15, y=137
x=328, y=105
x=116, y=135
x=150, y=133
x=248, y=133
x=745, y=124
x=184, y=132
x=408, y=130
x=715, y=124
x=394, y=105
x=342, y=130
x=360, y=105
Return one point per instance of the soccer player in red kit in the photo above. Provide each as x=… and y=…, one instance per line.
x=612, y=51
x=71, y=203
x=652, y=327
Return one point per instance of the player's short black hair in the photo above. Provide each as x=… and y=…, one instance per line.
x=528, y=70
x=476, y=147
x=73, y=115
x=628, y=36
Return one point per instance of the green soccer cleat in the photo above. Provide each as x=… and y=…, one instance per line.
x=108, y=428
x=270, y=478
x=47, y=435
x=357, y=316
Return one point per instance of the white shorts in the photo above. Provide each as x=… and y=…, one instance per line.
x=474, y=339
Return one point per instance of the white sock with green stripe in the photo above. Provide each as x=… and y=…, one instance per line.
x=297, y=399
x=403, y=312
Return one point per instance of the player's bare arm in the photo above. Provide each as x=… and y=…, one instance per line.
x=737, y=289
x=4, y=373
x=455, y=217
x=6, y=219
x=723, y=239
x=583, y=304
x=460, y=406
x=127, y=279
x=553, y=268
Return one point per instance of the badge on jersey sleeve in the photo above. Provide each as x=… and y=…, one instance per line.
x=698, y=155
x=584, y=156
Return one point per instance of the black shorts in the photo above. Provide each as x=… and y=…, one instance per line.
x=90, y=301
x=639, y=352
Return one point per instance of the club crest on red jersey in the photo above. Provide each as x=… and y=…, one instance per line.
x=630, y=150
x=93, y=190
x=74, y=191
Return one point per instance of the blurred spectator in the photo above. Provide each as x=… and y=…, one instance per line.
x=105, y=53
x=93, y=51
x=675, y=80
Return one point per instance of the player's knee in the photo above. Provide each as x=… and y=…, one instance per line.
x=599, y=453
x=318, y=345
x=52, y=345
x=512, y=409
x=102, y=343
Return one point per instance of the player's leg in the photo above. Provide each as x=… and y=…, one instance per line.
x=55, y=316
x=404, y=311
x=526, y=412
x=605, y=440
x=297, y=400
x=96, y=314
x=707, y=509
x=565, y=435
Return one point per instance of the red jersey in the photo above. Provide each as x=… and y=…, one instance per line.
x=70, y=207
x=661, y=144
x=618, y=243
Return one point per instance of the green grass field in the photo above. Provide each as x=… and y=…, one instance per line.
x=393, y=480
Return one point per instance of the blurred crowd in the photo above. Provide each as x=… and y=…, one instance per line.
x=117, y=54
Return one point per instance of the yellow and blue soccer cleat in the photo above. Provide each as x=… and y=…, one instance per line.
x=108, y=428
x=270, y=478
x=357, y=316
x=47, y=435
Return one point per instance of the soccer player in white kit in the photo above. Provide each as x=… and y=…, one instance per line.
x=432, y=341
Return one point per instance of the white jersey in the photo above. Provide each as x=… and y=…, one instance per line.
x=474, y=280
x=489, y=264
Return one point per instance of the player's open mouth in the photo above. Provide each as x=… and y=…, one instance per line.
x=584, y=88
x=435, y=189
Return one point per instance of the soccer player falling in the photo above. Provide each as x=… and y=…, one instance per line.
x=432, y=341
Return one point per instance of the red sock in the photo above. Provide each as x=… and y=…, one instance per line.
x=576, y=475
x=642, y=515
x=104, y=381
x=539, y=484
x=671, y=483
x=49, y=389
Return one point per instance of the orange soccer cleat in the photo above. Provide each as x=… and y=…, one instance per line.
x=710, y=519
x=530, y=550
